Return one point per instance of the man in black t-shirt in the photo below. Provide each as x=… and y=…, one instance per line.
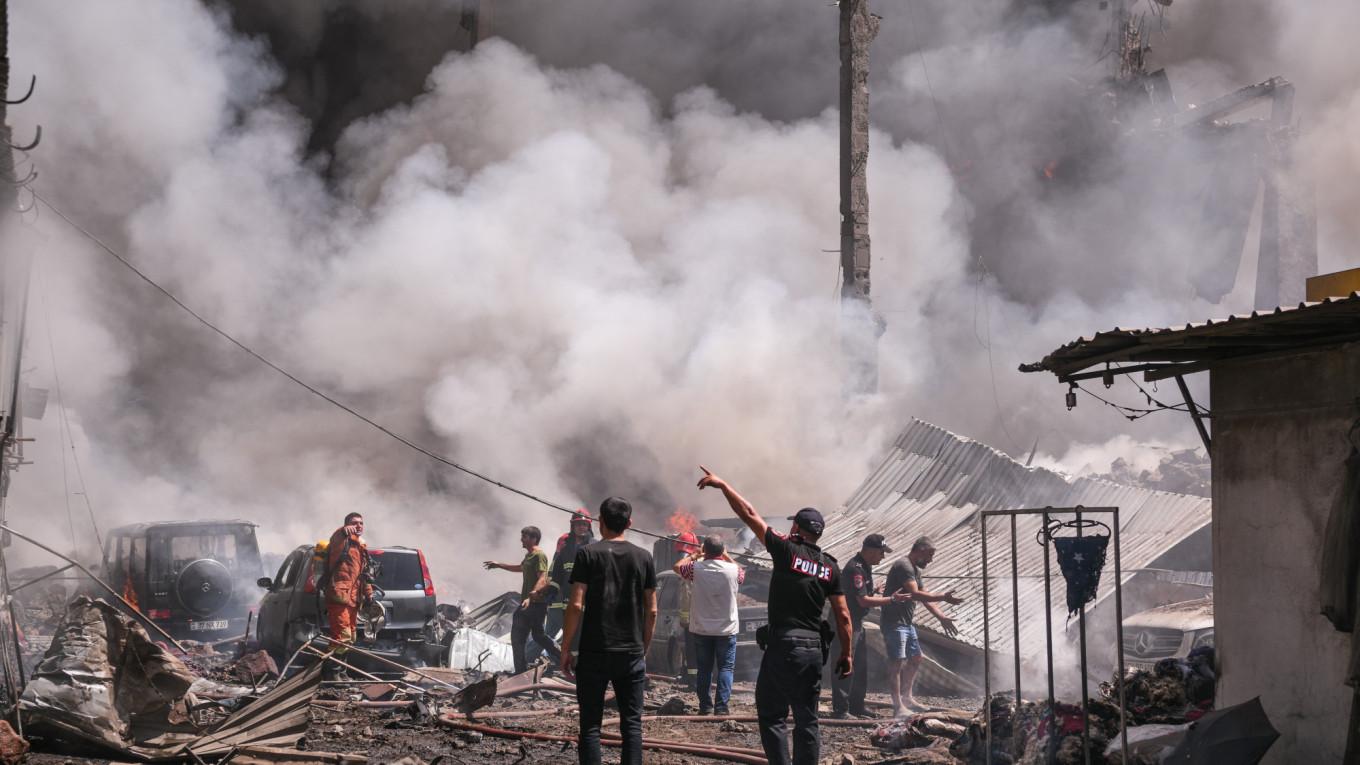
x=857, y=581
x=803, y=580
x=614, y=582
x=900, y=640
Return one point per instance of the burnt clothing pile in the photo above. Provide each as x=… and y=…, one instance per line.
x=1173, y=692
x=920, y=730
x=1034, y=733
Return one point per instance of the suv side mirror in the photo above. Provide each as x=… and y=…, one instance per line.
x=265, y=582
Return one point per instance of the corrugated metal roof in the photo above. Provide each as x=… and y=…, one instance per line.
x=1327, y=321
x=935, y=483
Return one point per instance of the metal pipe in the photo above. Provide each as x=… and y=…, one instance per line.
x=1015, y=606
x=612, y=721
x=1119, y=640
x=389, y=662
x=1048, y=615
x=1046, y=511
x=133, y=609
x=330, y=656
x=1085, y=698
x=986, y=651
x=49, y=574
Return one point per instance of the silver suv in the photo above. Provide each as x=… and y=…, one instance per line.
x=1166, y=632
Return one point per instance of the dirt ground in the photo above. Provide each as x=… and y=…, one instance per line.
x=389, y=735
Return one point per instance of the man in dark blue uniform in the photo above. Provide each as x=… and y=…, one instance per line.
x=803, y=580
x=857, y=582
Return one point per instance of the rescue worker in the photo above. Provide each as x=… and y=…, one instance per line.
x=346, y=585
x=687, y=544
x=533, y=606
x=803, y=580
x=559, y=579
x=857, y=580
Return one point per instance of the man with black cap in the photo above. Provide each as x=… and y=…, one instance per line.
x=857, y=581
x=803, y=580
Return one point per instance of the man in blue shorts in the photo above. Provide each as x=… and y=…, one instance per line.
x=899, y=631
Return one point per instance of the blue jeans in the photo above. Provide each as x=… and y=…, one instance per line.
x=722, y=650
x=627, y=673
x=900, y=642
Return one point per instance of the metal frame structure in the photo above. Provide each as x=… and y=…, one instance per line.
x=1047, y=513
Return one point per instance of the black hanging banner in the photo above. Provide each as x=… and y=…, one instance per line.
x=1081, y=559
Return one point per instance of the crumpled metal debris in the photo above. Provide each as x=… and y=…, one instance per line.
x=101, y=674
x=104, y=682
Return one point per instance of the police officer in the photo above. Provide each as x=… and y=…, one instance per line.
x=804, y=578
x=857, y=581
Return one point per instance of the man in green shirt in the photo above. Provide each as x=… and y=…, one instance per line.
x=533, y=594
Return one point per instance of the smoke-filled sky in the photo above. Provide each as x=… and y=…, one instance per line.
x=592, y=254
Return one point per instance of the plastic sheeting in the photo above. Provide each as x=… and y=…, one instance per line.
x=474, y=649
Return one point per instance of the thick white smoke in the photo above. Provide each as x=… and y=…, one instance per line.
x=581, y=279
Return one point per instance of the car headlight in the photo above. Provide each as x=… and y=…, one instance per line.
x=1203, y=638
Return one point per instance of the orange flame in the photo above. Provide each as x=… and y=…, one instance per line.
x=1051, y=169
x=682, y=521
x=682, y=524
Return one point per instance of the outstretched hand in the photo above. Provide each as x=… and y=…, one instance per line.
x=952, y=599
x=490, y=564
x=949, y=628
x=709, y=480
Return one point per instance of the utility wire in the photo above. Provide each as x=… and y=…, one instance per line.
x=64, y=427
x=61, y=419
x=313, y=390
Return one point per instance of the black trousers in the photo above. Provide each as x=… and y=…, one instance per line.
x=527, y=622
x=627, y=673
x=847, y=693
x=790, y=679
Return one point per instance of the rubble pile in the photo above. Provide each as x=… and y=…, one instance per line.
x=1027, y=735
x=1175, y=691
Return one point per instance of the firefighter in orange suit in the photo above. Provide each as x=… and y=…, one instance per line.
x=347, y=586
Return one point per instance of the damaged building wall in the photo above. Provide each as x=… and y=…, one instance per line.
x=1279, y=448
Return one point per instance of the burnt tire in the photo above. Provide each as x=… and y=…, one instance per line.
x=204, y=587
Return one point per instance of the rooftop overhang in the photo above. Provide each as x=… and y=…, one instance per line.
x=1177, y=351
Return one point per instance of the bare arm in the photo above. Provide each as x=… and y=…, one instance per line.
x=516, y=567
x=844, y=630
x=649, y=619
x=930, y=599
x=571, y=620
x=540, y=587
x=681, y=563
x=744, y=510
x=872, y=601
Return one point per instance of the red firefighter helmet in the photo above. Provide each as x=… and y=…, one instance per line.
x=686, y=542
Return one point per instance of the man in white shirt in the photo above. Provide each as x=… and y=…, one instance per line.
x=713, y=619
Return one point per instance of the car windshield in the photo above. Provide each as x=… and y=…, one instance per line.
x=235, y=548
x=398, y=570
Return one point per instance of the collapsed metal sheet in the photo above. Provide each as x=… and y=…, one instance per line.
x=105, y=683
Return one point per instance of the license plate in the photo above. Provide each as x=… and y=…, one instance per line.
x=753, y=626
x=219, y=624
